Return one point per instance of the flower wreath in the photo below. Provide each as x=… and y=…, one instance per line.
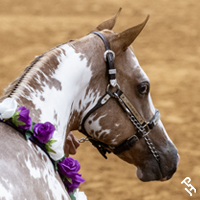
x=42, y=135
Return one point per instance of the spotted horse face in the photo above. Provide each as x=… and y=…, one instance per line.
x=125, y=121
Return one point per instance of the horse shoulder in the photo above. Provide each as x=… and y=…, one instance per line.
x=26, y=172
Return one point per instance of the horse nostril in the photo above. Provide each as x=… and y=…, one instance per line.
x=178, y=159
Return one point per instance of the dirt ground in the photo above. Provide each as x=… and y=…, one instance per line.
x=168, y=50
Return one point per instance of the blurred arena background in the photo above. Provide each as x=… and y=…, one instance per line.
x=168, y=50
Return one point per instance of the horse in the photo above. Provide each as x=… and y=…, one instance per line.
x=95, y=85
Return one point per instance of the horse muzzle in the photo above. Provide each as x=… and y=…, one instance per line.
x=157, y=172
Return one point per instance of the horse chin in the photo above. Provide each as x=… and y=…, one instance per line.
x=145, y=178
x=139, y=174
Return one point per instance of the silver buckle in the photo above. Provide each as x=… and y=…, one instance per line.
x=109, y=85
x=108, y=51
x=133, y=136
x=105, y=99
x=147, y=129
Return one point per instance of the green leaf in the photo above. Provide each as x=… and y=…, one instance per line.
x=72, y=195
x=15, y=120
x=64, y=178
x=56, y=162
x=48, y=146
x=32, y=126
x=56, y=165
x=69, y=179
x=16, y=113
x=28, y=134
x=50, y=142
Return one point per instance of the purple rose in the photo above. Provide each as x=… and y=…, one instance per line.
x=69, y=168
x=23, y=120
x=43, y=131
x=76, y=180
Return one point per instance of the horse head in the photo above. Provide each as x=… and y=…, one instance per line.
x=96, y=85
x=125, y=107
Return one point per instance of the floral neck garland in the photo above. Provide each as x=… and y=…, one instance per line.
x=42, y=135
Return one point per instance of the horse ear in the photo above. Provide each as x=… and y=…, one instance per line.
x=108, y=24
x=122, y=41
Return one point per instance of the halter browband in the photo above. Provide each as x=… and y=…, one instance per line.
x=143, y=127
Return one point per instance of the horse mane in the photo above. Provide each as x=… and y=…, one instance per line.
x=13, y=86
x=44, y=59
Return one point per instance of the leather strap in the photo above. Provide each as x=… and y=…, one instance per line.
x=154, y=120
x=105, y=41
x=109, y=60
x=128, y=144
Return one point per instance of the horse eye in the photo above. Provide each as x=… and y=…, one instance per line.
x=143, y=88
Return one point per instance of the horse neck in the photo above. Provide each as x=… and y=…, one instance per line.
x=55, y=89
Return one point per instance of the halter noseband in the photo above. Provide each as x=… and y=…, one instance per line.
x=143, y=127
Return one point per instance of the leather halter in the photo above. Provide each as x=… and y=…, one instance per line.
x=143, y=127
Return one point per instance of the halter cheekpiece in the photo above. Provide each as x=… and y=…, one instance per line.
x=143, y=127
